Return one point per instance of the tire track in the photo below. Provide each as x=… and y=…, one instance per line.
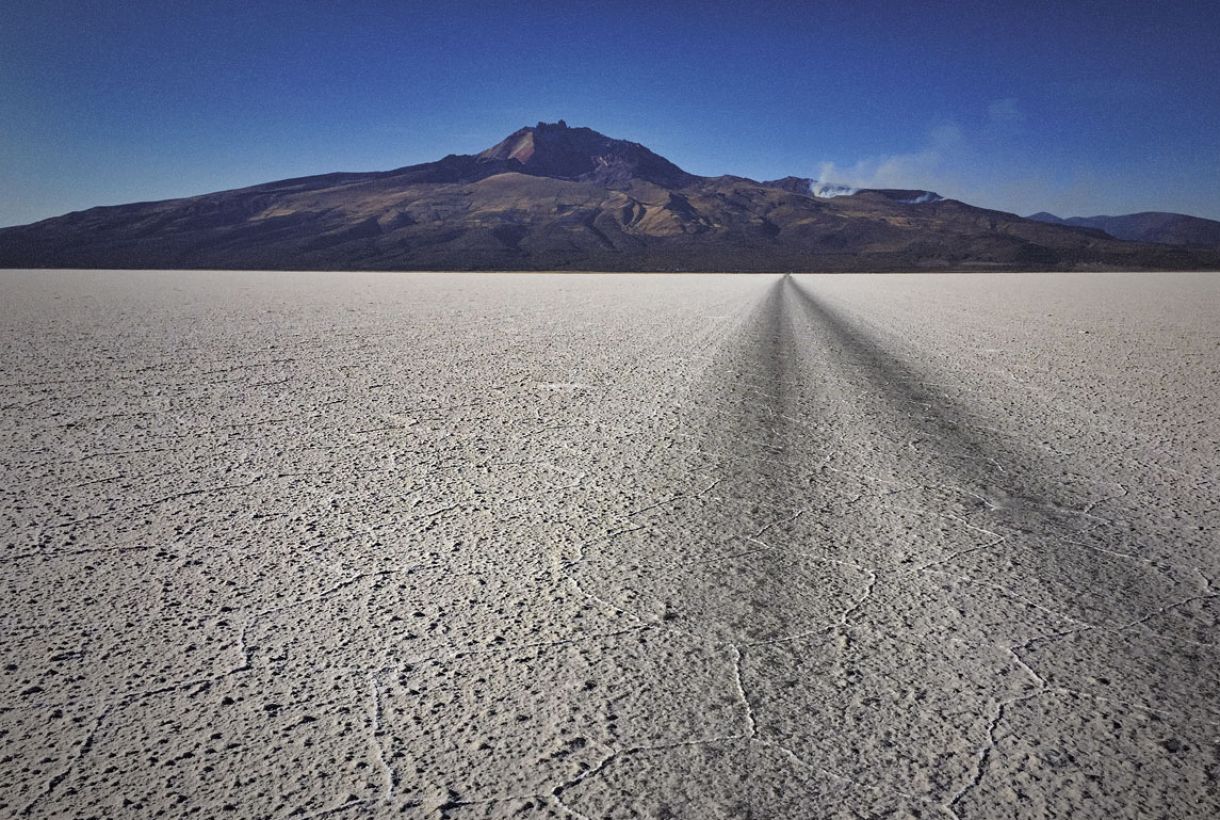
x=1046, y=528
x=797, y=568
x=1085, y=684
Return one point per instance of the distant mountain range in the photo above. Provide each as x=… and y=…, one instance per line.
x=1147, y=226
x=550, y=197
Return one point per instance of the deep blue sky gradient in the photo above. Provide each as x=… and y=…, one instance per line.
x=1072, y=107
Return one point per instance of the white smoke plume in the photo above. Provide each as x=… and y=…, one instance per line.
x=829, y=190
x=919, y=170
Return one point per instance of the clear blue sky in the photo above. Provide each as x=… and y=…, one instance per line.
x=1072, y=107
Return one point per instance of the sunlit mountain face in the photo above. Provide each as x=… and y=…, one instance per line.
x=553, y=197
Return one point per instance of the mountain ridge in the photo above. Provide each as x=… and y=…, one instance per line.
x=551, y=197
x=1161, y=227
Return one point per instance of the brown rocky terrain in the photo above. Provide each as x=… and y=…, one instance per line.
x=552, y=197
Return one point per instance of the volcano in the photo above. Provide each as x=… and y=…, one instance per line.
x=551, y=197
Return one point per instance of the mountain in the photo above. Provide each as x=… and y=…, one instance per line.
x=581, y=153
x=550, y=197
x=1147, y=226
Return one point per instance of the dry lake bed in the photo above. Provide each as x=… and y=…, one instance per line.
x=594, y=546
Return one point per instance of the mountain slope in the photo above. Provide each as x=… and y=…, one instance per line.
x=1147, y=226
x=557, y=198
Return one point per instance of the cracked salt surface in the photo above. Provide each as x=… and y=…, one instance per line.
x=309, y=545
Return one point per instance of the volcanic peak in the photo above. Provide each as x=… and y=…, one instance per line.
x=555, y=150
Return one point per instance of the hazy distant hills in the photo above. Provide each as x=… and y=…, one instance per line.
x=1147, y=226
x=552, y=197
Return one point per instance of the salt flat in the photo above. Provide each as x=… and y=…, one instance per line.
x=287, y=545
